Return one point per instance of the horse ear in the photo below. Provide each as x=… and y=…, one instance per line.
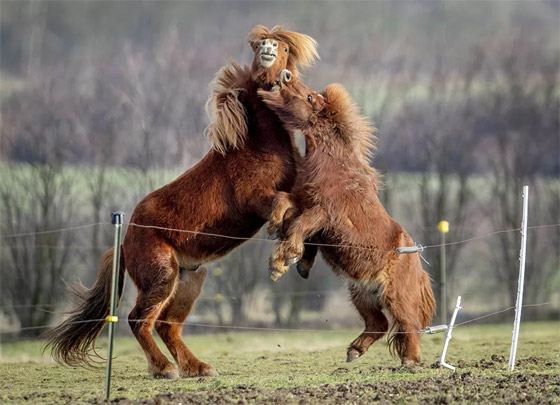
x=338, y=99
x=252, y=44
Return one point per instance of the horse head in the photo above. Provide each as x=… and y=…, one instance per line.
x=276, y=50
x=330, y=116
x=297, y=106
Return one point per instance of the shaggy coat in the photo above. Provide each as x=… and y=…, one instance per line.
x=336, y=199
x=229, y=192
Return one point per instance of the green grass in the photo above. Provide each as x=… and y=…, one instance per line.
x=273, y=360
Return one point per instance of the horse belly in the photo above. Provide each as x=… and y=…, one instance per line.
x=373, y=293
x=213, y=243
x=354, y=262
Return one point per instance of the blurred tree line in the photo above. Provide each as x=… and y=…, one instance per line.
x=103, y=102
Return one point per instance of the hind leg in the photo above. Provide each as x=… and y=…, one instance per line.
x=170, y=323
x=406, y=340
x=367, y=303
x=141, y=320
x=154, y=271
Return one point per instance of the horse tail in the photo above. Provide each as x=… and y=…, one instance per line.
x=74, y=339
x=397, y=340
x=428, y=304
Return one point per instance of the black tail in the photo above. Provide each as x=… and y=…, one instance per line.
x=73, y=341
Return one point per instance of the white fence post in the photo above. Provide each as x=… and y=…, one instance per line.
x=521, y=281
x=442, y=362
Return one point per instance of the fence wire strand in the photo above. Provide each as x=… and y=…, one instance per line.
x=317, y=293
x=256, y=239
x=270, y=329
x=73, y=228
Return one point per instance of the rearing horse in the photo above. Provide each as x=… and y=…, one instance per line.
x=230, y=191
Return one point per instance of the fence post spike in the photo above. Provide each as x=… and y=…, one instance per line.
x=521, y=281
x=448, y=336
x=117, y=220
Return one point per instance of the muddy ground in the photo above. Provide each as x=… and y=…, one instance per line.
x=273, y=369
x=461, y=386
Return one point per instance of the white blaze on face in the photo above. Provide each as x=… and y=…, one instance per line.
x=268, y=51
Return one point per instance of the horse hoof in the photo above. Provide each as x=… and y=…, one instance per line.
x=171, y=374
x=211, y=372
x=274, y=274
x=303, y=272
x=291, y=260
x=273, y=236
x=352, y=355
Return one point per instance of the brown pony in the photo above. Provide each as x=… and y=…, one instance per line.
x=230, y=191
x=335, y=197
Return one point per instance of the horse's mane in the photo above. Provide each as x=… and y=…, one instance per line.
x=228, y=128
x=303, y=48
x=228, y=117
x=355, y=128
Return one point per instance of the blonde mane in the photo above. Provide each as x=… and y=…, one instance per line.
x=228, y=117
x=228, y=128
x=353, y=126
x=303, y=48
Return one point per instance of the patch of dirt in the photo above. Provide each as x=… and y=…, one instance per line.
x=499, y=362
x=452, y=388
x=340, y=371
x=463, y=386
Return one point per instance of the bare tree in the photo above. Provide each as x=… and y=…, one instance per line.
x=439, y=136
x=523, y=144
x=235, y=280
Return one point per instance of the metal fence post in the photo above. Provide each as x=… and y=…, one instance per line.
x=448, y=336
x=443, y=227
x=117, y=220
x=519, y=302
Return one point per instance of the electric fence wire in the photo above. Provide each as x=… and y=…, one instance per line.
x=242, y=238
x=269, y=329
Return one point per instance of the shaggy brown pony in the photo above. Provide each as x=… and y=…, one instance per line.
x=230, y=191
x=336, y=199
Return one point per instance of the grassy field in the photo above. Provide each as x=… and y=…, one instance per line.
x=290, y=367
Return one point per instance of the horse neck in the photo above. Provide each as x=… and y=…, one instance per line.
x=266, y=131
x=336, y=167
x=264, y=78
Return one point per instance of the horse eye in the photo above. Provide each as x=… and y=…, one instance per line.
x=285, y=49
x=309, y=98
x=263, y=42
x=275, y=44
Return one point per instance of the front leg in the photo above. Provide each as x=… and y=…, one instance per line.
x=277, y=263
x=276, y=266
x=308, y=259
x=282, y=203
x=308, y=223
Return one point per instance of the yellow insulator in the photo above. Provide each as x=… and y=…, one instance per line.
x=217, y=271
x=443, y=226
